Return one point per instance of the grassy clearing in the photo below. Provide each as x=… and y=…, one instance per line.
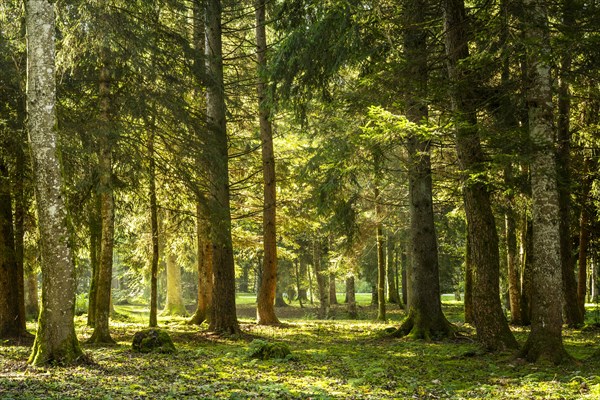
x=333, y=359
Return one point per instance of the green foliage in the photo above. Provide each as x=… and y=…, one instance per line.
x=263, y=350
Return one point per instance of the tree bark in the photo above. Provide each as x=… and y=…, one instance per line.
x=21, y=206
x=174, y=304
x=223, y=313
x=584, y=234
x=492, y=329
x=381, y=272
x=266, y=294
x=514, y=284
x=351, y=296
x=95, y=227
x=527, y=270
x=321, y=277
x=332, y=289
x=392, y=271
x=205, y=276
x=573, y=314
x=425, y=317
x=545, y=339
x=153, y=322
x=56, y=341
x=101, y=332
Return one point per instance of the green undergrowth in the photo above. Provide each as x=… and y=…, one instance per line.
x=332, y=359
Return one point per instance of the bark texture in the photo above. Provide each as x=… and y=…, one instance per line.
x=56, y=341
x=101, y=332
x=268, y=285
x=153, y=322
x=425, y=318
x=545, y=339
x=224, y=317
x=381, y=272
x=492, y=329
x=205, y=277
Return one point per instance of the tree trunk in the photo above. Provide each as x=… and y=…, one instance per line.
x=584, y=234
x=95, y=227
x=321, y=276
x=32, y=303
x=573, y=315
x=351, y=297
x=56, y=341
x=527, y=269
x=332, y=289
x=545, y=339
x=223, y=313
x=266, y=293
x=107, y=210
x=468, y=302
x=405, y=262
x=492, y=329
x=425, y=317
x=392, y=271
x=205, y=277
x=381, y=273
x=174, y=304
x=154, y=232
x=10, y=325
x=514, y=286
x=21, y=206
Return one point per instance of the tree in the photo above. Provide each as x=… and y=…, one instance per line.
x=55, y=341
x=492, y=329
x=266, y=293
x=223, y=313
x=425, y=317
x=545, y=340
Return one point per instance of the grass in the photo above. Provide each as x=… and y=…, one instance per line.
x=333, y=359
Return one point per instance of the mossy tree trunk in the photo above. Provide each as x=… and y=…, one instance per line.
x=380, y=240
x=545, y=339
x=492, y=329
x=392, y=270
x=56, y=341
x=174, y=304
x=106, y=138
x=425, y=317
x=265, y=311
x=223, y=313
x=205, y=277
x=95, y=227
x=321, y=276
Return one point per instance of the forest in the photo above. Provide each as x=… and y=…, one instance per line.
x=299, y=199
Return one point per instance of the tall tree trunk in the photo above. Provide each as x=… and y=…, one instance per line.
x=10, y=325
x=468, y=302
x=573, y=314
x=425, y=317
x=545, y=339
x=174, y=304
x=492, y=329
x=55, y=341
x=21, y=206
x=320, y=274
x=32, y=303
x=223, y=318
x=381, y=273
x=351, y=296
x=332, y=289
x=514, y=283
x=266, y=293
x=527, y=270
x=205, y=277
x=95, y=227
x=392, y=271
x=301, y=291
x=405, y=262
x=584, y=233
x=153, y=322
x=101, y=332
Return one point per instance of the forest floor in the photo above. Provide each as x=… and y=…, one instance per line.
x=332, y=359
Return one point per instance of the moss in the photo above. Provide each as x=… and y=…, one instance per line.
x=153, y=340
x=264, y=350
